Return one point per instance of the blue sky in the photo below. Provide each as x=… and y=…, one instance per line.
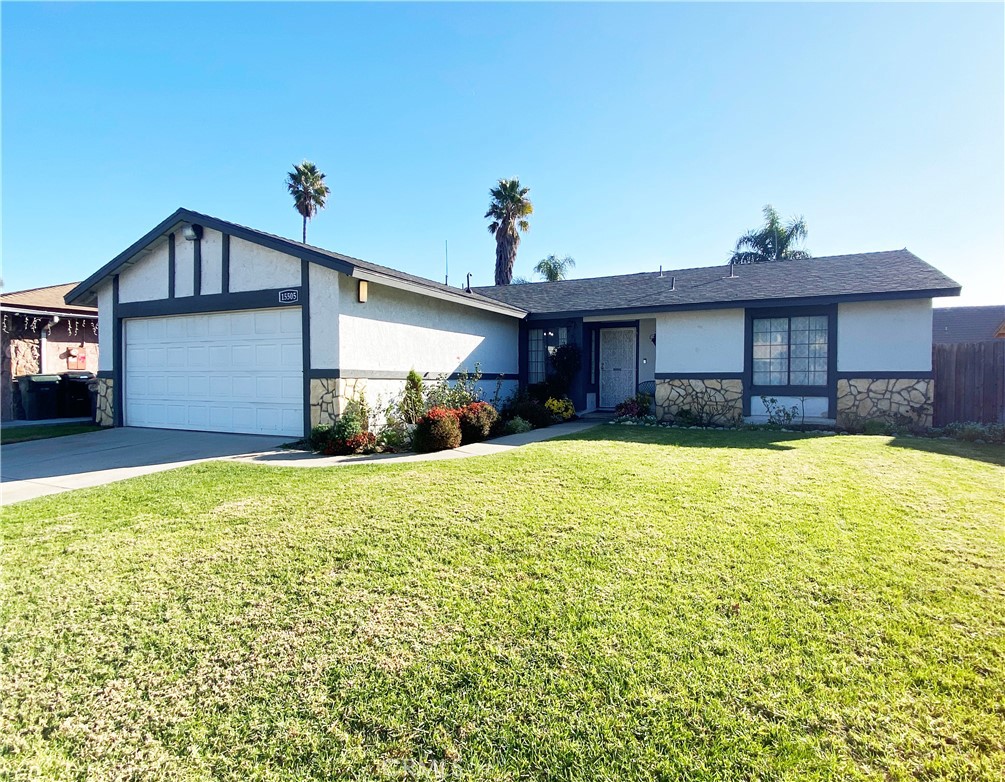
x=648, y=134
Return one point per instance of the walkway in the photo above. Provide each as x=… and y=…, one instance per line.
x=499, y=445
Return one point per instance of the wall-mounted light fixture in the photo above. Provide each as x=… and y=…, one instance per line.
x=361, y=291
x=192, y=232
x=653, y=338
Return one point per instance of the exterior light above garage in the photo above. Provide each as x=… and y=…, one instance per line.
x=362, y=291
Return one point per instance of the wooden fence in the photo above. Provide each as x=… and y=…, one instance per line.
x=969, y=382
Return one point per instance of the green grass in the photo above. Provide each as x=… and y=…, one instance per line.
x=626, y=604
x=21, y=434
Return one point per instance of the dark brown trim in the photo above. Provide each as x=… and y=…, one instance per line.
x=197, y=264
x=225, y=264
x=871, y=375
x=320, y=373
x=118, y=356
x=171, y=265
x=305, y=338
x=210, y=302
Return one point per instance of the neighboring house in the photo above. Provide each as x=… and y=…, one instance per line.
x=967, y=324
x=211, y=325
x=40, y=332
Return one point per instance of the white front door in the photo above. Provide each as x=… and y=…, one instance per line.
x=617, y=366
x=238, y=371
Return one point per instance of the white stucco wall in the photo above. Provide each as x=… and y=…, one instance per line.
x=254, y=268
x=212, y=261
x=184, y=266
x=647, y=350
x=700, y=341
x=324, y=306
x=147, y=279
x=885, y=336
x=811, y=407
x=106, y=328
x=395, y=331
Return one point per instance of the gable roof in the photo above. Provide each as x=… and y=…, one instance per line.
x=863, y=276
x=353, y=267
x=44, y=300
x=967, y=324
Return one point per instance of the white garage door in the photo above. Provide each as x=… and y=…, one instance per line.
x=216, y=372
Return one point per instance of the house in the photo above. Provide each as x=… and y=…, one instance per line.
x=968, y=324
x=41, y=333
x=211, y=325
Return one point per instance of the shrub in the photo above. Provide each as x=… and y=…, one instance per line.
x=524, y=406
x=566, y=362
x=438, y=430
x=319, y=437
x=561, y=408
x=347, y=425
x=413, y=401
x=516, y=426
x=637, y=406
x=361, y=442
x=972, y=431
x=476, y=421
x=462, y=393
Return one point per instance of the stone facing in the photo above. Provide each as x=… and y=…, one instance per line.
x=106, y=402
x=886, y=399
x=330, y=395
x=721, y=401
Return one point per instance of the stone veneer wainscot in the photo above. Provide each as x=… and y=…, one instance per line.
x=885, y=399
x=329, y=397
x=725, y=397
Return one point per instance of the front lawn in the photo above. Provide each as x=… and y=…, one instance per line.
x=21, y=434
x=624, y=604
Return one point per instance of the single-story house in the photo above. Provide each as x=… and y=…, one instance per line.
x=952, y=325
x=41, y=333
x=211, y=325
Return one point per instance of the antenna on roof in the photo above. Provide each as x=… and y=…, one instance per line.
x=446, y=263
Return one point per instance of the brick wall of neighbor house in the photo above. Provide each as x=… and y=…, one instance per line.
x=20, y=357
x=22, y=353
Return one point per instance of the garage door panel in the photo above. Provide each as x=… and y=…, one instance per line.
x=227, y=371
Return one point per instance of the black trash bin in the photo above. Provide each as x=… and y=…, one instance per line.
x=74, y=398
x=39, y=396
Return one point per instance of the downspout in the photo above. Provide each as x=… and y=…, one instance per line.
x=41, y=349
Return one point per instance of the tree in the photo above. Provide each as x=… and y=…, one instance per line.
x=509, y=209
x=310, y=193
x=772, y=242
x=554, y=268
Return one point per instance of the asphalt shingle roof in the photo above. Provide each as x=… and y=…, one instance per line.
x=966, y=324
x=860, y=275
x=48, y=298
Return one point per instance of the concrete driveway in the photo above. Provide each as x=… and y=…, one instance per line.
x=40, y=467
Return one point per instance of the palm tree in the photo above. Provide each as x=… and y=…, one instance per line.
x=772, y=242
x=508, y=210
x=554, y=268
x=310, y=193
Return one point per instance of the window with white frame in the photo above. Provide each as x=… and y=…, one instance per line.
x=790, y=351
x=541, y=344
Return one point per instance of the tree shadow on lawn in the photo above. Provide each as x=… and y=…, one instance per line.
x=766, y=440
x=696, y=438
x=980, y=452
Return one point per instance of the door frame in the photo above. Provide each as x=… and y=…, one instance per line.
x=629, y=326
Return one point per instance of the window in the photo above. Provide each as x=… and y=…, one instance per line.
x=541, y=344
x=790, y=351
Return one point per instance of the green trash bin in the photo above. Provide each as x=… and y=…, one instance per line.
x=39, y=396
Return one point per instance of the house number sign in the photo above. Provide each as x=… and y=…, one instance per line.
x=291, y=296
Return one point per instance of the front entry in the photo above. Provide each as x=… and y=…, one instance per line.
x=617, y=366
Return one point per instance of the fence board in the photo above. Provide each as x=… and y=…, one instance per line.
x=969, y=382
